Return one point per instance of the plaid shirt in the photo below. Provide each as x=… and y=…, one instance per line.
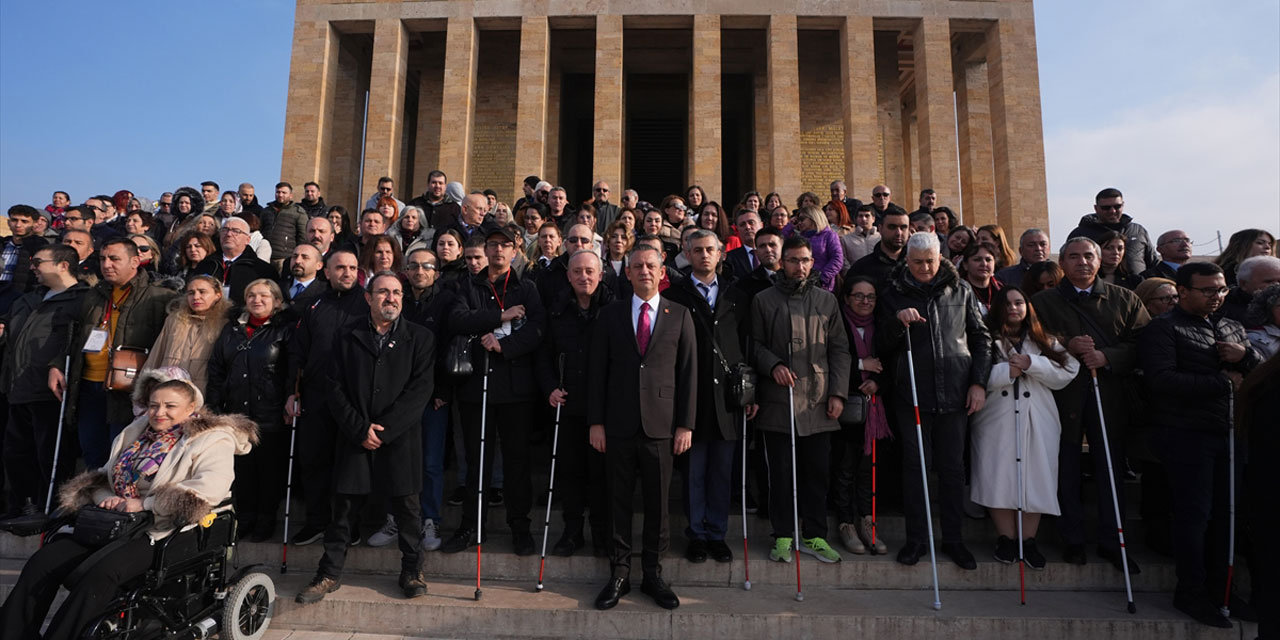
x=10, y=257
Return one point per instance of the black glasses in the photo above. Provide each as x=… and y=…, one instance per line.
x=578, y=240
x=144, y=249
x=1177, y=241
x=1169, y=299
x=880, y=195
x=1111, y=207
x=599, y=190
x=36, y=262
x=863, y=297
x=500, y=245
x=1211, y=292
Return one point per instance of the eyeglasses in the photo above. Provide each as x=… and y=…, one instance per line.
x=1211, y=292
x=863, y=297
x=36, y=262
x=880, y=195
x=599, y=190
x=231, y=231
x=578, y=240
x=1111, y=207
x=1169, y=299
x=499, y=245
x=423, y=266
x=1177, y=241
x=142, y=248
x=798, y=260
x=384, y=189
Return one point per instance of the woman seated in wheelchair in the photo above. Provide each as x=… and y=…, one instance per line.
x=173, y=462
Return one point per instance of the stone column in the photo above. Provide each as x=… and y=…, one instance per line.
x=531, y=99
x=784, y=106
x=935, y=110
x=384, y=132
x=607, y=146
x=1016, y=134
x=973, y=116
x=858, y=97
x=889, y=113
x=458, y=106
x=704, y=107
x=309, y=110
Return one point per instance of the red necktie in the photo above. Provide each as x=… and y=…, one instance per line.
x=643, y=329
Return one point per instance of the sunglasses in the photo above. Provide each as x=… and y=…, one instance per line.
x=578, y=240
x=1111, y=207
x=423, y=266
x=880, y=195
x=144, y=249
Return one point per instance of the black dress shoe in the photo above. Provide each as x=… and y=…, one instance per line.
x=719, y=551
x=1113, y=555
x=1198, y=607
x=461, y=539
x=960, y=555
x=655, y=587
x=1074, y=554
x=911, y=552
x=613, y=592
x=568, y=544
x=697, y=552
x=522, y=543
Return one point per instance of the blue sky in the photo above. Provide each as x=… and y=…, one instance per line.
x=1171, y=101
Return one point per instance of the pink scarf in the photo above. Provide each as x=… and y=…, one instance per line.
x=877, y=426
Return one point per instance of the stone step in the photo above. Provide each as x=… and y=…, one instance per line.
x=371, y=604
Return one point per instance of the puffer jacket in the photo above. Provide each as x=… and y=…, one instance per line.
x=1139, y=252
x=951, y=349
x=288, y=226
x=248, y=375
x=1183, y=372
x=36, y=332
x=807, y=317
x=194, y=477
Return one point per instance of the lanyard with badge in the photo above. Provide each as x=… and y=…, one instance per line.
x=98, y=337
x=506, y=329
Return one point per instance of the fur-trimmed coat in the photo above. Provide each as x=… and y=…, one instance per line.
x=195, y=476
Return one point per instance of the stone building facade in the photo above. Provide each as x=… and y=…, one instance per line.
x=733, y=95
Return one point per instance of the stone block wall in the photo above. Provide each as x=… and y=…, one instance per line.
x=493, y=136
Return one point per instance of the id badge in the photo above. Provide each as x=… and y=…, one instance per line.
x=226, y=292
x=97, y=340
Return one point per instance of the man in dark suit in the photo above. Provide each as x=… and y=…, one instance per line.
x=641, y=409
x=304, y=282
x=236, y=267
x=743, y=260
x=717, y=310
x=380, y=379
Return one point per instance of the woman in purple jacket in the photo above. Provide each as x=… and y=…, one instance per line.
x=828, y=257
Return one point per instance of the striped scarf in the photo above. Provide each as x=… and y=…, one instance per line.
x=142, y=460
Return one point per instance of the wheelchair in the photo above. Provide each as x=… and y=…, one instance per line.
x=192, y=590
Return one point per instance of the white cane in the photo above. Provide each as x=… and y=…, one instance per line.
x=924, y=473
x=57, y=440
x=1115, y=502
x=1231, y=494
x=484, y=410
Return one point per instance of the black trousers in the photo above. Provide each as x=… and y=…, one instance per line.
x=581, y=480
x=29, y=440
x=648, y=460
x=943, y=435
x=852, y=482
x=260, y=480
x=314, y=463
x=813, y=460
x=511, y=422
x=337, y=536
x=1197, y=466
x=1070, y=459
x=28, y=604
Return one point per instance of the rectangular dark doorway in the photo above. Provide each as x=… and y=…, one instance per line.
x=738, y=163
x=577, y=130
x=657, y=127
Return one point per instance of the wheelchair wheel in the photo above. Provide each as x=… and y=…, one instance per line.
x=247, y=611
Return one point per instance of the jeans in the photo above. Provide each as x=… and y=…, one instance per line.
x=708, y=485
x=435, y=425
x=96, y=434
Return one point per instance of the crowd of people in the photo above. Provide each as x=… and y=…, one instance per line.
x=787, y=346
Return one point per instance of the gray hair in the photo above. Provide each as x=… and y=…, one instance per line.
x=560, y=189
x=1030, y=232
x=1097, y=250
x=643, y=248
x=699, y=234
x=1260, y=308
x=1248, y=266
x=631, y=192
x=422, y=215
x=838, y=182
x=541, y=184
x=588, y=252
x=923, y=242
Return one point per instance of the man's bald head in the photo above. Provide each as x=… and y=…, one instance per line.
x=474, y=207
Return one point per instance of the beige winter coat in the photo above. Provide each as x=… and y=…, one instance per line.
x=187, y=339
x=195, y=476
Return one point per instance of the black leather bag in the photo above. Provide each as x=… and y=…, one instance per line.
x=855, y=410
x=97, y=527
x=457, y=360
x=742, y=385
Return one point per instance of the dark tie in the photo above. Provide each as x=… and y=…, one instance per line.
x=706, y=293
x=754, y=263
x=643, y=329
x=297, y=288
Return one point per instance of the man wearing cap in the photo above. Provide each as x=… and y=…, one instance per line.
x=505, y=313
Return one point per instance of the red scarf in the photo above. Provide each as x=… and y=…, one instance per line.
x=877, y=426
x=254, y=325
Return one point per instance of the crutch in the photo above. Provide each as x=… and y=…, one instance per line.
x=1017, y=443
x=288, y=487
x=555, y=442
x=57, y=440
x=1231, y=494
x=1115, y=503
x=746, y=554
x=484, y=410
x=924, y=473
x=795, y=505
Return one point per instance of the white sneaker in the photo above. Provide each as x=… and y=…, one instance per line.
x=430, y=536
x=386, y=535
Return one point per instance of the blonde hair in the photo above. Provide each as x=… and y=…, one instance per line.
x=814, y=215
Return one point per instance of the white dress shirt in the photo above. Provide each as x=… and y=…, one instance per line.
x=636, y=301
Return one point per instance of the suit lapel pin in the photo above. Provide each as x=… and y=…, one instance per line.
x=391, y=345
x=666, y=310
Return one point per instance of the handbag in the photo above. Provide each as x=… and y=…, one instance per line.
x=97, y=527
x=742, y=385
x=855, y=410
x=457, y=359
x=123, y=366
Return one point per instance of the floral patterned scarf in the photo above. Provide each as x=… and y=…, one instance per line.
x=142, y=459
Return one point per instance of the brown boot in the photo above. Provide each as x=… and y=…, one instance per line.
x=864, y=534
x=316, y=591
x=849, y=537
x=413, y=583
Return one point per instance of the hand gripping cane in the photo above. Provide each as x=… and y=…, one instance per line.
x=924, y=473
x=1231, y=493
x=484, y=414
x=1115, y=503
x=555, y=442
x=288, y=487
